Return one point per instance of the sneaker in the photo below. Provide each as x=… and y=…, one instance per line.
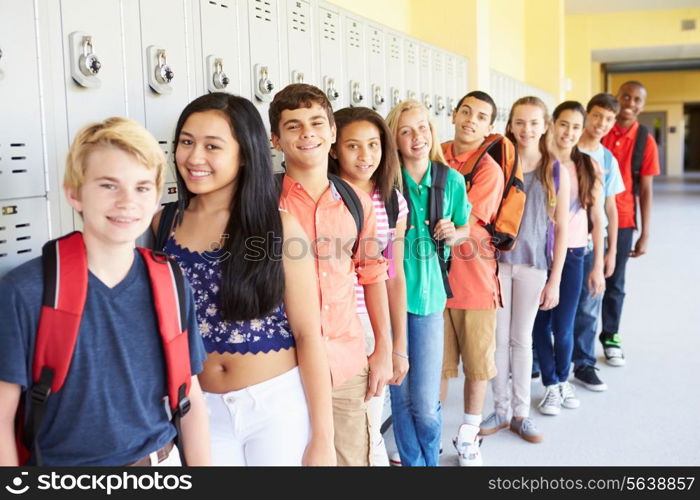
x=587, y=377
x=394, y=459
x=551, y=402
x=535, y=375
x=612, y=348
x=492, y=424
x=568, y=396
x=467, y=445
x=526, y=429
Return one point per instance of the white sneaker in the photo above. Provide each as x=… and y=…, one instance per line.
x=467, y=445
x=551, y=402
x=394, y=459
x=568, y=397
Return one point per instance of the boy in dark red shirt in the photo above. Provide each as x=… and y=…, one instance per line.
x=620, y=141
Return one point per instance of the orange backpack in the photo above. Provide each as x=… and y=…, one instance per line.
x=506, y=225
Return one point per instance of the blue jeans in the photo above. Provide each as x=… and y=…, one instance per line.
x=415, y=404
x=555, y=360
x=615, y=285
x=586, y=322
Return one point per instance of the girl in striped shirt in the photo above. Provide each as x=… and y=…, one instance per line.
x=364, y=154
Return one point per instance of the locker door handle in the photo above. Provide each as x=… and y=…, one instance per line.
x=331, y=91
x=84, y=63
x=220, y=79
x=89, y=63
x=264, y=85
x=164, y=74
x=160, y=74
x=356, y=93
x=411, y=95
x=440, y=105
x=450, y=105
x=298, y=77
x=395, y=97
x=427, y=102
x=377, y=97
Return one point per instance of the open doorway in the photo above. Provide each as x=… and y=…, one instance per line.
x=655, y=121
x=691, y=145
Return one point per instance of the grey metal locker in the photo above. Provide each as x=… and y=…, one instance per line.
x=22, y=172
x=330, y=37
x=355, y=43
x=450, y=92
x=437, y=63
x=265, y=64
x=411, y=70
x=223, y=50
x=376, y=69
x=394, y=69
x=167, y=63
x=300, y=48
x=425, y=78
x=24, y=229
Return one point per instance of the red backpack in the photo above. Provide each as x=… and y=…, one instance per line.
x=65, y=291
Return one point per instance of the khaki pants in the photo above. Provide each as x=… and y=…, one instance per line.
x=351, y=421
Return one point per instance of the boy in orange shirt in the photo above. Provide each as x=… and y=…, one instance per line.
x=303, y=128
x=470, y=317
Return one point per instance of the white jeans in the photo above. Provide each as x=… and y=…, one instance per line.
x=264, y=424
x=376, y=406
x=521, y=287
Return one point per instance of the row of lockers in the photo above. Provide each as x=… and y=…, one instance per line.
x=64, y=63
x=505, y=90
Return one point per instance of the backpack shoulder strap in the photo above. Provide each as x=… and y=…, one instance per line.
x=555, y=175
x=352, y=201
x=170, y=304
x=392, y=209
x=65, y=272
x=490, y=144
x=165, y=226
x=438, y=175
x=640, y=143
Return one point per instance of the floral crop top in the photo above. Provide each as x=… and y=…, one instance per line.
x=203, y=271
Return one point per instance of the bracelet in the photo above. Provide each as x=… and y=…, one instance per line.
x=399, y=354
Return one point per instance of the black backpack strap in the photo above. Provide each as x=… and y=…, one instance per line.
x=165, y=226
x=640, y=143
x=352, y=202
x=407, y=197
x=638, y=156
x=392, y=209
x=438, y=176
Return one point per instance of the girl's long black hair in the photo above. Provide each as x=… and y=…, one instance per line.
x=252, y=283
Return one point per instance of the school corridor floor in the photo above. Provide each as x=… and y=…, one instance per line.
x=650, y=414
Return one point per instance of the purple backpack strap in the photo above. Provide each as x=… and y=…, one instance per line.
x=550, y=224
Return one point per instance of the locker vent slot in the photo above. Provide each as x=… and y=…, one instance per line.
x=354, y=35
x=424, y=59
x=395, y=49
x=3, y=255
x=411, y=54
x=20, y=171
x=299, y=19
x=17, y=145
x=22, y=238
x=263, y=10
x=329, y=28
x=375, y=43
x=26, y=224
x=26, y=250
x=3, y=241
x=18, y=158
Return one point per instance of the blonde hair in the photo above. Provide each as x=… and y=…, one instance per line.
x=545, y=170
x=392, y=120
x=121, y=133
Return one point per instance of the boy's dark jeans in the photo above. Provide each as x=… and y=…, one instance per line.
x=615, y=284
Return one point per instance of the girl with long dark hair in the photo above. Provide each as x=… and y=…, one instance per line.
x=266, y=378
